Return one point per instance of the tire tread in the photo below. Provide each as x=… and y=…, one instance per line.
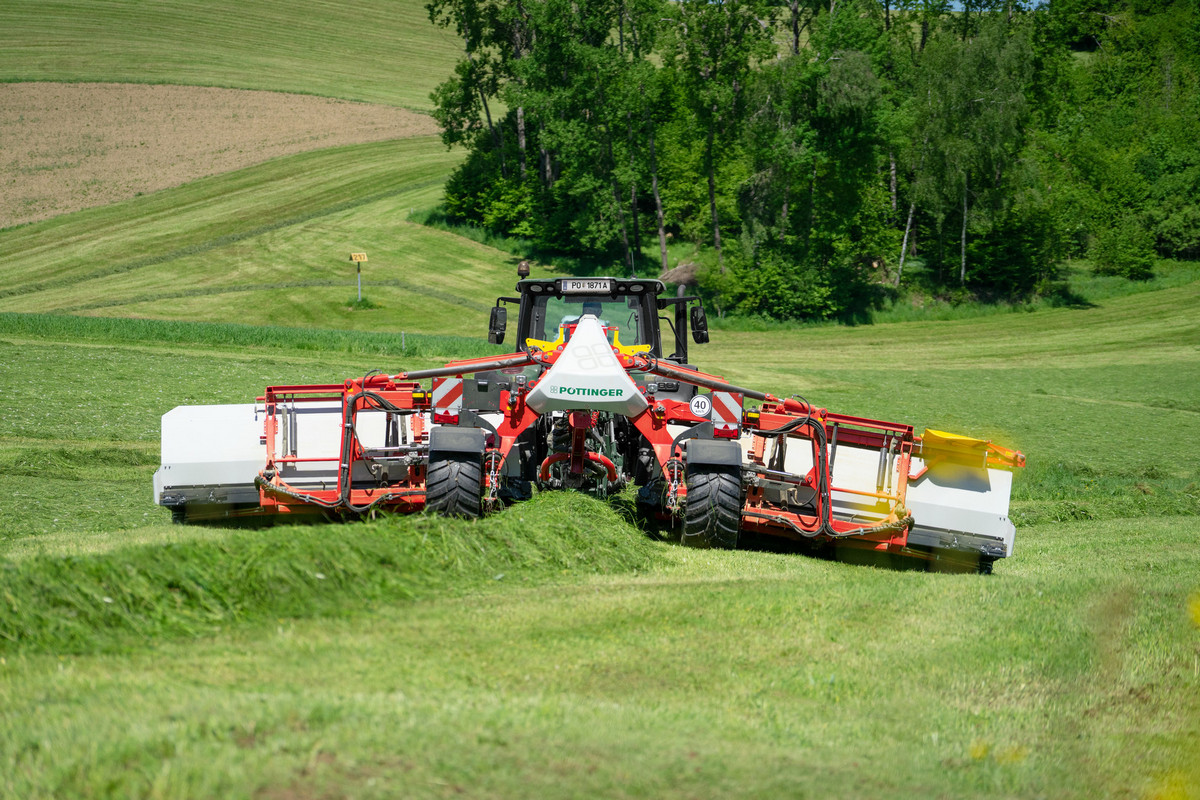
x=454, y=486
x=713, y=514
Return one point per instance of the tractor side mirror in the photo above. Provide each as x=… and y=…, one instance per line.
x=699, y=325
x=497, y=324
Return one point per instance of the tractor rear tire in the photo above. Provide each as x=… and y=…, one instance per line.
x=454, y=486
x=713, y=514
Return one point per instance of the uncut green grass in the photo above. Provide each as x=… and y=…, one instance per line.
x=370, y=50
x=102, y=330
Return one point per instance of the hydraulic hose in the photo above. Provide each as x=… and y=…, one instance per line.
x=657, y=367
x=824, y=493
x=544, y=470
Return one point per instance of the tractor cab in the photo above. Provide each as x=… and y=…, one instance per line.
x=628, y=310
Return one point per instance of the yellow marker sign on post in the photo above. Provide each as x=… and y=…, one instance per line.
x=358, y=258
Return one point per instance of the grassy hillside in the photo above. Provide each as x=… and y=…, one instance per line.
x=268, y=245
x=379, y=52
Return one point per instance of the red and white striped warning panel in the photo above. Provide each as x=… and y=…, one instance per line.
x=447, y=397
x=726, y=413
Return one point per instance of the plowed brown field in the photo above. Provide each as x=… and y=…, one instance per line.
x=65, y=147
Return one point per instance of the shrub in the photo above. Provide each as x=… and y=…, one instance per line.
x=771, y=285
x=1179, y=233
x=1019, y=253
x=1125, y=249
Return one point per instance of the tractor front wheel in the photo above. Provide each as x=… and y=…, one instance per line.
x=713, y=513
x=454, y=486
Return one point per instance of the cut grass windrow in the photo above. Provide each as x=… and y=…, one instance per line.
x=213, y=213
x=109, y=600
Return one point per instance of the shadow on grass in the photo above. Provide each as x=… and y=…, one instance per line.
x=864, y=555
x=1060, y=295
x=844, y=552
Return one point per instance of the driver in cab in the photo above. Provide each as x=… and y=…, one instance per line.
x=593, y=307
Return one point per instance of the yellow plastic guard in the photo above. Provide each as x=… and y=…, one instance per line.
x=954, y=444
x=547, y=346
x=957, y=441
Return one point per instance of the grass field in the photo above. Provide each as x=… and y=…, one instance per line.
x=358, y=50
x=432, y=657
x=553, y=649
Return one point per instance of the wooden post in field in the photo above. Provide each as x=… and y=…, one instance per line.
x=358, y=258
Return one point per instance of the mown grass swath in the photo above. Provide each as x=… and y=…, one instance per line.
x=267, y=245
x=770, y=674
x=212, y=214
x=141, y=594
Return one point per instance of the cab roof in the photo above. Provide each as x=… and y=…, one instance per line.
x=614, y=287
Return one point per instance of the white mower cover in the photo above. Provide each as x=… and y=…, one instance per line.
x=210, y=454
x=587, y=376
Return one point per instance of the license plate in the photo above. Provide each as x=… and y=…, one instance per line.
x=586, y=286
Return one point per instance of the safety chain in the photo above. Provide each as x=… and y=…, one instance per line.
x=674, y=470
x=492, y=461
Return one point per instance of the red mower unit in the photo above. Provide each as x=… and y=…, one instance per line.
x=590, y=401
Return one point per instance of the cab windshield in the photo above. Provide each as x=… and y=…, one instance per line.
x=620, y=313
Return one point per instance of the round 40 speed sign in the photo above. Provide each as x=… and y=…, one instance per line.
x=701, y=405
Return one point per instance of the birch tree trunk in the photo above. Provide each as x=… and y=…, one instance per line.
x=962, y=271
x=904, y=244
x=521, y=139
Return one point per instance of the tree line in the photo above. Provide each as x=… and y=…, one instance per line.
x=822, y=149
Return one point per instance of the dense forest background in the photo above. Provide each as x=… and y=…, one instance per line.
x=821, y=154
